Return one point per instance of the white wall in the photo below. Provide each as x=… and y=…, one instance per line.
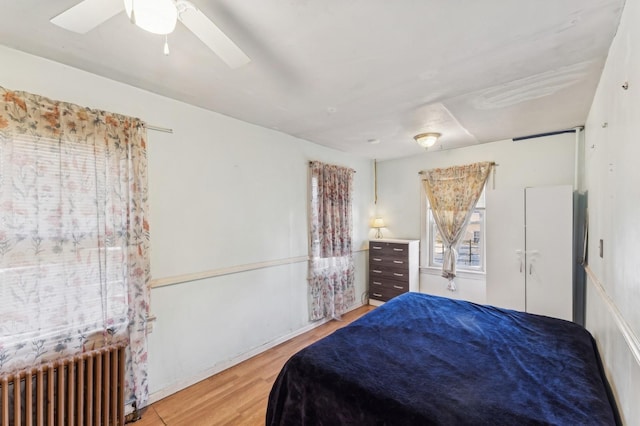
x=534, y=162
x=612, y=182
x=223, y=194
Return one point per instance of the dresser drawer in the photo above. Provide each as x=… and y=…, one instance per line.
x=394, y=274
x=384, y=294
x=377, y=284
x=379, y=259
x=384, y=249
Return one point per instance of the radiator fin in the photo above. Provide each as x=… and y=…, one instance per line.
x=83, y=390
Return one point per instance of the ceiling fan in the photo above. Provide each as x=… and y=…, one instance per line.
x=156, y=16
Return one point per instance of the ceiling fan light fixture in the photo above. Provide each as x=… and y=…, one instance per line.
x=427, y=140
x=155, y=16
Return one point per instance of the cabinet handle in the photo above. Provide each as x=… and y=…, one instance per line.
x=398, y=261
x=399, y=287
x=376, y=247
x=377, y=283
x=397, y=249
x=530, y=268
x=377, y=294
x=377, y=259
x=376, y=271
x=398, y=275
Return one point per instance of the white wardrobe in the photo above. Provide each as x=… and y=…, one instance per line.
x=529, y=250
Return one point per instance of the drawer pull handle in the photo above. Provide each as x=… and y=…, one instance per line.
x=376, y=247
x=377, y=283
x=377, y=294
x=397, y=249
x=398, y=261
x=398, y=275
x=377, y=259
x=399, y=287
x=376, y=271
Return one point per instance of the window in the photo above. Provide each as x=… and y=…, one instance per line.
x=471, y=249
x=57, y=277
x=74, y=234
x=331, y=269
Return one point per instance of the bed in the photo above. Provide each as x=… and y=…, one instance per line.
x=422, y=360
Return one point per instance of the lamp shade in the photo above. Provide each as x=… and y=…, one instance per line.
x=427, y=140
x=378, y=223
x=155, y=16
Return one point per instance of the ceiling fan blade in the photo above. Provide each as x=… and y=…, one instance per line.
x=87, y=15
x=214, y=38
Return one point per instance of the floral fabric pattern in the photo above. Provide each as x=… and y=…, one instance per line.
x=74, y=234
x=453, y=193
x=331, y=269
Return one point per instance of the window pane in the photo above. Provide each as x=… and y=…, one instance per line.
x=56, y=277
x=438, y=246
x=470, y=248
x=481, y=201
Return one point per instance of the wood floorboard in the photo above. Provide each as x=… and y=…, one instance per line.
x=238, y=395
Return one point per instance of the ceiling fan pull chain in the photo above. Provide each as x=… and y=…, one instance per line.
x=133, y=12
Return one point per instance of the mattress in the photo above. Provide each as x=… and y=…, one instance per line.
x=422, y=360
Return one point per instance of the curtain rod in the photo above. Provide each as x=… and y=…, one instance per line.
x=540, y=135
x=491, y=163
x=158, y=129
x=311, y=162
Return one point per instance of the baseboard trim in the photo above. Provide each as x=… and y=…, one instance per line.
x=183, y=384
x=627, y=332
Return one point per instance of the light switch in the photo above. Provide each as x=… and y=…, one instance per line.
x=601, y=248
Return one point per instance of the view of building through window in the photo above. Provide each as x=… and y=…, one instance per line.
x=470, y=248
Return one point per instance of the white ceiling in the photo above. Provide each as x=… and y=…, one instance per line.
x=343, y=72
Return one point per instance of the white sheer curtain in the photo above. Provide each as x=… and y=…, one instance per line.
x=331, y=270
x=74, y=234
x=453, y=193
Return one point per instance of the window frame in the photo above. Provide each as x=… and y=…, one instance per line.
x=427, y=227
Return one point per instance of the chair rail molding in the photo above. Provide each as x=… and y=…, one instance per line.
x=627, y=332
x=196, y=276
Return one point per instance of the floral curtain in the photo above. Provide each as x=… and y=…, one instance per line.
x=331, y=270
x=74, y=234
x=453, y=193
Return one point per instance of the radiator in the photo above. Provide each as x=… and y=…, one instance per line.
x=87, y=389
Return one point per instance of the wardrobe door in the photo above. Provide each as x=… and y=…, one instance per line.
x=505, y=249
x=549, y=251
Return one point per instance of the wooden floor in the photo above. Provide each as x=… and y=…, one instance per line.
x=237, y=396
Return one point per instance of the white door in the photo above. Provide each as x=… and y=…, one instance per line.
x=505, y=249
x=549, y=251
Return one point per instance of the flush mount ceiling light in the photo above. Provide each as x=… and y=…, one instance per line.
x=427, y=140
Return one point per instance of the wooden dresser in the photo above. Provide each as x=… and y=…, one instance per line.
x=393, y=268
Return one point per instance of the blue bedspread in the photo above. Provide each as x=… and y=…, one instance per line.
x=422, y=360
